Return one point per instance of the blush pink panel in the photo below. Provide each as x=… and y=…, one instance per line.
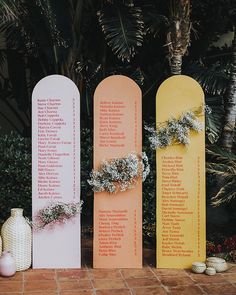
x=56, y=169
x=117, y=132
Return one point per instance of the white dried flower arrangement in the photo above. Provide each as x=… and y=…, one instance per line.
x=119, y=174
x=56, y=213
x=175, y=131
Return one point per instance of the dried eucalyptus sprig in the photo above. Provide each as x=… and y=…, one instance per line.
x=175, y=131
x=119, y=174
x=56, y=213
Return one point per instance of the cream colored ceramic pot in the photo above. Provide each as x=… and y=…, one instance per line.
x=210, y=271
x=218, y=264
x=198, y=267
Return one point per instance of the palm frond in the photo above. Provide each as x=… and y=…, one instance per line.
x=213, y=79
x=123, y=28
x=214, y=119
x=47, y=11
x=27, y=24
x=153, y=20
x=226, y=194
x=2, y=57
x=12, y=15
x=221, y=170
x=136, y=74
x=11, y=11
x=221, y=155
x=89, y=71
x=222, y=164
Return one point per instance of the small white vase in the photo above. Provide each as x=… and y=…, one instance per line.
x=17, y=238
x=7, y=265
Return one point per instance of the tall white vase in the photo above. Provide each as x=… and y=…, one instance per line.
x=17, y=238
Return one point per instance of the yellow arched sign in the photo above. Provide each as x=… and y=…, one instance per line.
x=181, y=225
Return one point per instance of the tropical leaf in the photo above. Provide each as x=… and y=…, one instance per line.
x=214, y=119
x=222, y=164
x=153, y=20
x=136, y=74
x=89, y=71
x=123, y=28
x=11, y=10
x=213, y=78
x=221, y=170
x=47, y=11
x=221, y=155
x=11, y=15
x=2, y=57
x=226, y=194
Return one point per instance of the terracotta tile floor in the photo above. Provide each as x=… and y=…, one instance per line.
x=146, y=281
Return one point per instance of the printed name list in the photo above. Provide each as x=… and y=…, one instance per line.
x=176, y=208
x=56, y=147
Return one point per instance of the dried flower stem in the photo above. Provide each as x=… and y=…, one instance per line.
x=176, y=131
x=119, y=174
x=56, y=213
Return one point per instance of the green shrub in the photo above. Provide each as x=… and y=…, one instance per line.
x=15, y=174
x=86, y=167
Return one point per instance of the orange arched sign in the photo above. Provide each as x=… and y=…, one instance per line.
x=117, y=132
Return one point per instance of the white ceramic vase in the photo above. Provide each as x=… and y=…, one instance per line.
x=17, y=239
x=218, y=264
x=198, y=267
x=7, y=265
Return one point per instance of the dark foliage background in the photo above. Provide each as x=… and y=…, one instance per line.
x=15, y=171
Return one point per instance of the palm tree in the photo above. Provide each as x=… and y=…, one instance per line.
x=178, y=36
x=227, y=139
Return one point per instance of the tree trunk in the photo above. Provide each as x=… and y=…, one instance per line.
x=178, y=36
x=230, y=105
x=176, y=65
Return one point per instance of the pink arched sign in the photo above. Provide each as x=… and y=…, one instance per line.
x=56, y=173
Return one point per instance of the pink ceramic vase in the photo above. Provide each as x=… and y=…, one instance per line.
x=7, y=265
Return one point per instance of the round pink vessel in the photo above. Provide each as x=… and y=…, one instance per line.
x=7, y=265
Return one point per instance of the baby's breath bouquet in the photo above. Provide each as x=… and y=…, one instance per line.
x=119, y=174
x=175, y=131
x=56, y=213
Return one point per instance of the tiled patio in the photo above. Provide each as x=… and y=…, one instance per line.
x=88, y=281
x=144, y=281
